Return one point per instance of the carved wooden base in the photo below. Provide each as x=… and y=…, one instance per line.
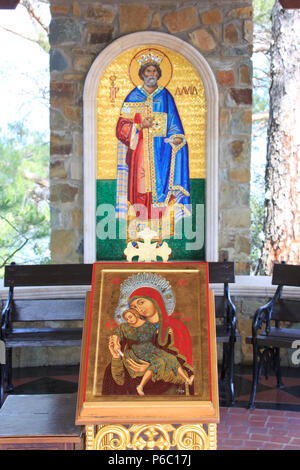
x=151, y=437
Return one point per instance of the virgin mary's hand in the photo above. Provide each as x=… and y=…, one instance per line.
x=114, y=346
x=141, y=368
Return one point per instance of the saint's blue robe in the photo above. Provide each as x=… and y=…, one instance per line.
x=171, y=162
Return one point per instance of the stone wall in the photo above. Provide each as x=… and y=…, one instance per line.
x=221, y=31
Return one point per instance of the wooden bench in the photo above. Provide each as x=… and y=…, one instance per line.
x=226, y=327
x=32, y=310
x=269, y=334
x=12, y=335
x=40, y=422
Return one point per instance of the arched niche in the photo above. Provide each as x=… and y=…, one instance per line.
x=90, y=133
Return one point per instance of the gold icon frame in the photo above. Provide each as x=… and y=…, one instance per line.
x=203, y=407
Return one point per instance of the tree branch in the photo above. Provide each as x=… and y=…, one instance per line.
x=260, y=116
x=13, y=253
x=13, y=227
x=17, y=249
x=32, y=13
x=39, y=42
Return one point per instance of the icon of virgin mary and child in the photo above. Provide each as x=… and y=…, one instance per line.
x=151, y=350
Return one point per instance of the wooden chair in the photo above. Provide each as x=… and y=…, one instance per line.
x=268, y=334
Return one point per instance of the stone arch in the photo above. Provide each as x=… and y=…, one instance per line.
x=90, y=133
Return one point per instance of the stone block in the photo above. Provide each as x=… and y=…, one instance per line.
x=242, y=244
x=61, y=193
x=245, y=328
x=61, y=93
x=203, y=40
x=73, y=113
x=76, y=9
x=182, y=20
x=64, y=31
x=225, y=78
x=156, y=21
x=238, y=217
x=134, y=18
x=241, y=95
x=242, y=13
x=60, y=144
x=82, y=64
x=55, y=214
x=77, y=144
x=224, y=121
x=241, y=122
x=57, y=169
x=61, y=243
x=61, y=356
x=212, y=17
x=57, y=120
x=233, y=195
x=98, y=34
x=74, y=77
x=231, y=33
x=58, y=62
x=236, y=51
x=248, y=30
x=241, y=175
x=57, y=10
x=76, y=169
x=98, y=13
x=245, y=75
x=236, y=148
x=76, y=217
x=216, y=30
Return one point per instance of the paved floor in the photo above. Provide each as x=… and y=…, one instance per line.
x=258, y=429
x=273, y=424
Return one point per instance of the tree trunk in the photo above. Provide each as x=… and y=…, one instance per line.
x=282, y=214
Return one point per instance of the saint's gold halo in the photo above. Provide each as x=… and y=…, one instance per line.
x=165, y=66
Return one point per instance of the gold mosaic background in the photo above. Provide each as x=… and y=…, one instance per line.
x=187, y=89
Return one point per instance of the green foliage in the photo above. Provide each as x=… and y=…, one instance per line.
x=262, y=13
x=261, y=84
x=257, y=225
x=24, y=194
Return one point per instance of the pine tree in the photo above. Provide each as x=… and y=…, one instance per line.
x=282, y=203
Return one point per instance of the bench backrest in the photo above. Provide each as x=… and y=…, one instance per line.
x=286, y=275
x=47, y=309
x=48, y=275
x=221, y=273
x=79, y=274
x=286, y=309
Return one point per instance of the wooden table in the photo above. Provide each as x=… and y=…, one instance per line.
x=40, y=422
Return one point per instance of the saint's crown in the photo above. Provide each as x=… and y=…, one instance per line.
x=149, y=57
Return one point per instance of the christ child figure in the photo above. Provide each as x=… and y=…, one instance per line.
x=141, y=334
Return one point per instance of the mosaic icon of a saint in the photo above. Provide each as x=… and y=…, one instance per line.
x=153, y=184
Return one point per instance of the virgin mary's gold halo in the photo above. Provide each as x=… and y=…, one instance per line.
x=162, y=60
